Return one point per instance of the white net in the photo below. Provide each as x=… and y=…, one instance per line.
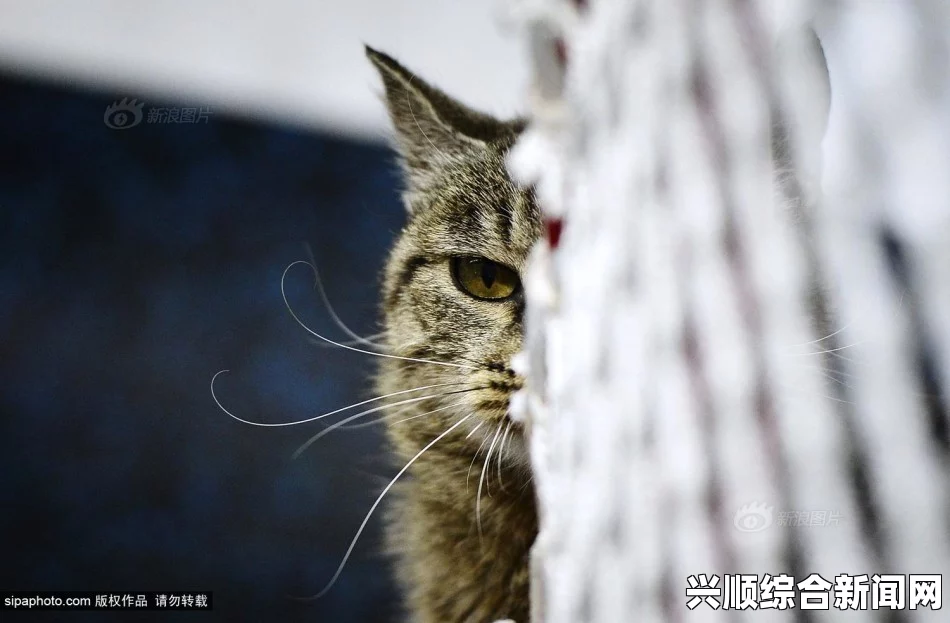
x=739, y=347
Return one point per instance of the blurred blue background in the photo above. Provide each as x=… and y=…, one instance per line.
x=134, y=265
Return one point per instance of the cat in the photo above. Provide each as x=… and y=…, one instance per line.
x=463, y=517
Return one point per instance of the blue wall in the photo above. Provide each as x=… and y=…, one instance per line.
x=134, y=265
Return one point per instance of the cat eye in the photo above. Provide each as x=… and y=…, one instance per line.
x=484, y=279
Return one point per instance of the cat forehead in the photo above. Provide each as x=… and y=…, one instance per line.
x=478, y=210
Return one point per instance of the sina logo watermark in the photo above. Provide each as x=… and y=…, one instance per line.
x=754, y=517
x=128, y=113
x=123, y=114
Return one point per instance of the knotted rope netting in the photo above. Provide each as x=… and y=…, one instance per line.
x=739, y=333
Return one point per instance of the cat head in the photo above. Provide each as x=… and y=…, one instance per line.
x=452, y=293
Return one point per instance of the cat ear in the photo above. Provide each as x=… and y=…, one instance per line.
x=431, y=127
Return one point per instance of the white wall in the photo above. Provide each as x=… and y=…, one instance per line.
x=293, y=60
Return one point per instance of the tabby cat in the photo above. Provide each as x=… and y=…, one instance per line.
x=463, y=517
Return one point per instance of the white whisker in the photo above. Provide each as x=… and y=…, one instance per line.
x=326, y=301
x=419, y=415
x=391, y=416
x=481, y=481
x=822, y=339
x=332, y=428
x=374, y=336
x=335, y=411
x=501, y=454
x=341, y=425
x=472, y=432
x=290, y=309
x=827, y=350
x=376, y=421
x=468, y=478
x=488, y=457
x=830, y=374
x=378, y=500
x=815, y=394
x=819, y=368
x=836, y=379
x=843, y=358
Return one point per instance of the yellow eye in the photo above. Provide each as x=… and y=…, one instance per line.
x=484, y=279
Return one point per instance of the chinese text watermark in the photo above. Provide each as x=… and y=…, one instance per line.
x=125, y=114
